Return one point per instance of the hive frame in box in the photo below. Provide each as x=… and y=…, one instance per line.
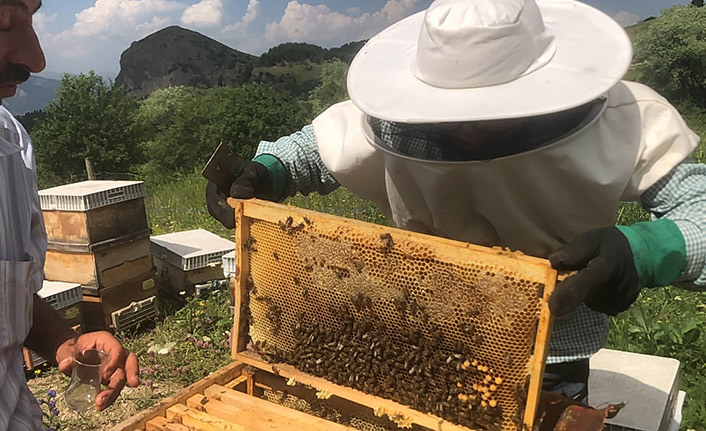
x=250, y=212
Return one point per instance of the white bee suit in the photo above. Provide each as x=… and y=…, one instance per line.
x=535, y=201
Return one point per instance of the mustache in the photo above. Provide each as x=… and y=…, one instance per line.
x=14, y=73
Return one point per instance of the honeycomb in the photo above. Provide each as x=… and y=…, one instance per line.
x=444, y=327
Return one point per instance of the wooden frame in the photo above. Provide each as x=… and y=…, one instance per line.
x=275, y=213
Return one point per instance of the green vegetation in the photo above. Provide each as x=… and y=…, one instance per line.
x=306, y=52
x=89, y=118
x=670, y=55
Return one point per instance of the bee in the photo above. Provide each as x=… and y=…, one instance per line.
x=472, y=312
x=358, y=265
x=361, y=301
x=296, y=281
x=466, y=328
x=249, y=245
x=250, y=285
x=508, y=359
x=294, y=229
x=400, y=304
x=307, y=221
x=387, y=241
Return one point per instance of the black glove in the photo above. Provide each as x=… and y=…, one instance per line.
x=249, y=179
x=607, y=280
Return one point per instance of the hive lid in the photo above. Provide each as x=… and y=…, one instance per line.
x=59, y=294
x=191, y=249
x=88, y=195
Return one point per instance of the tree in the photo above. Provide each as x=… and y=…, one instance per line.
x=88, y=118
x=670, y=55
x=697, y=3
x=240, y=117
x=156, y=113
x=333, y=87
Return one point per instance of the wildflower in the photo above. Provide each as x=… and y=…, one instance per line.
x=148, y=383
x=51, y=393
x=208, y=320
x=52, y=404
x=199, y=344
x=42, y=401
x=201, y=303
x=55, y=411
x=182, y=293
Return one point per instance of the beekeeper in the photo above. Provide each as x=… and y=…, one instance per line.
x=506, y=123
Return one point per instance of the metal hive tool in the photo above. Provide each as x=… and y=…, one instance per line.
x=425, y=330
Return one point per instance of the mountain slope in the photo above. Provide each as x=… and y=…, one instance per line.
x=32, y=95
x=176, y=56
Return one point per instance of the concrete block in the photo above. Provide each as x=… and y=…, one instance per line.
x=648, y=385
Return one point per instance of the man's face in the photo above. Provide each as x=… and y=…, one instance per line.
x=20, y=53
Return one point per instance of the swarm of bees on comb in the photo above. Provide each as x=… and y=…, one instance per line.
x=388, y=343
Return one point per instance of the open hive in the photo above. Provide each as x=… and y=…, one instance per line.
x=424, y=330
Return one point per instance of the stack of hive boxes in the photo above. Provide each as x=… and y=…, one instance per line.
x=185, y=260
x=99, y=238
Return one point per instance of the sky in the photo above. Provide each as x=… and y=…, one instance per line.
x=83, y=35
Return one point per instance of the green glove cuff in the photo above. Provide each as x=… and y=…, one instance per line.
x=658, y=250
x=278, y=172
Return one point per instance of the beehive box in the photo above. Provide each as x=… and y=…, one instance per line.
x=65, y=298
x=231, y=399
x=103, y=264
x=123, y=306
x=424, y=330
x=184, y=259
x=90, y=212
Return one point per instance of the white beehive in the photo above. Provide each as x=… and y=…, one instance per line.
x=88, y=195
x=191, y=249
x=59, y=294
x=228, y=262
x=92, y=212
x=186, y=259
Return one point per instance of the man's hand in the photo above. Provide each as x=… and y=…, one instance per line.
x=122, y=366
x=607, y=280
x=250, y=179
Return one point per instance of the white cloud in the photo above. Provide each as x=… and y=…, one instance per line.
x=626, y=19
x=40, y=21
x=206, y=13
x=250, y=15
x=101, y=32
x=121, y=16
x=319, y=24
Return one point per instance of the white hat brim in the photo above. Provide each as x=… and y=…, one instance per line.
x=592, y=54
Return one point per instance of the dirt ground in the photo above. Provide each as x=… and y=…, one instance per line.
x=130, y=402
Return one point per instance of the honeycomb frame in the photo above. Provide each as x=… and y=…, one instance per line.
x=276, y=242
